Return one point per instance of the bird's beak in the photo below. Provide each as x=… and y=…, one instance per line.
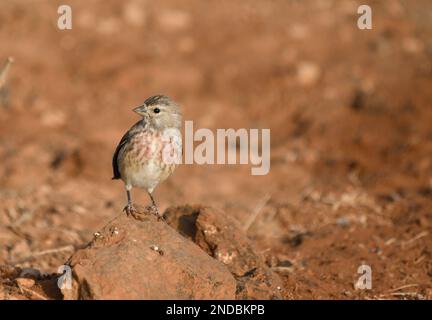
x=141, y=110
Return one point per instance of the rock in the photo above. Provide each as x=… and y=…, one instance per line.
x=30, y=273
x=5, y=70
x=299, y=31
x=174, y=20
x=25, y=282
x=131, y=259
x=308, y=73
x=412, y=45
x=53, y=118
x=134, y=13
x=223, y=239
x=108, y=26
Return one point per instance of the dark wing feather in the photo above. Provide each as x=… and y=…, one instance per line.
x=124, y=140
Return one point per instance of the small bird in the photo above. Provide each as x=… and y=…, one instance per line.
x=148, y=152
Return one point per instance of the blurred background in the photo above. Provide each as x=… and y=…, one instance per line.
x=349, y=111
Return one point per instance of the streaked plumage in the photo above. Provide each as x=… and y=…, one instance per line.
x=139, y=158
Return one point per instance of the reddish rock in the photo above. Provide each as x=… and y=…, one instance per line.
x=131, y=259
x=223, y=239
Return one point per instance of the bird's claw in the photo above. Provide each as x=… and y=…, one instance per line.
x=130, y=210
x=154, y=210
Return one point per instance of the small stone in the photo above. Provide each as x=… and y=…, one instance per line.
x=108, y=26
x=347, y=293
x=30, y=273
x=412, y=45
x=157, y=249
x=285, y=264
x=134, y=14
x=79, y=209
x=25, y=282
x=342, y=221
x=299, y=31
x=174, y=20
x=53, y=119
x=186, y=44
x=308, y=73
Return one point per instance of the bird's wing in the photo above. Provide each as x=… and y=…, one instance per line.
x=124, y=140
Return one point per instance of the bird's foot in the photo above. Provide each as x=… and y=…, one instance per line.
x=154, y=210
x=130, y=210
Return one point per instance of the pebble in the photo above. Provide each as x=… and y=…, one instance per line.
x=308, y=73
x=27, y=272
x=134, y=14
x=412, y=45
x=174, y=20
x=343, y=222
x=25, y=282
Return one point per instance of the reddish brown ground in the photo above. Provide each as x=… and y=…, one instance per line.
x=351, y=169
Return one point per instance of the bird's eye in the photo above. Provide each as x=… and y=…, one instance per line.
x=156, y=110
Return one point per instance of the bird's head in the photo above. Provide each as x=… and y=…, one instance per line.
x=160, y=112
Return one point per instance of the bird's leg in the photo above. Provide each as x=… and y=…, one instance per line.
x=129, y=208
x=154, y=207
